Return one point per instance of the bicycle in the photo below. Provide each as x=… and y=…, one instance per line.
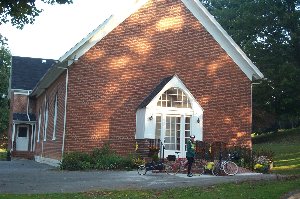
x=172, y=168
x=226, y=166
x=150, y=166
x=180, y=166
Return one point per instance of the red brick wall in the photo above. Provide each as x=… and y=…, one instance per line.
x=20, y=103
x=163, y=38
x=51, y=148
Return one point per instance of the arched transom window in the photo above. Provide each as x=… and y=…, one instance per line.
x=174, y=97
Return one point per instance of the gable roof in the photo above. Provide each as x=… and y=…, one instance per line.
x=155, y=91
x=195, y=7
x=27, y=71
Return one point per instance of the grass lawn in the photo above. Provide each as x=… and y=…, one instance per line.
x=3, y=154
x=287, y=161
x=286, y=146
x=271, y=189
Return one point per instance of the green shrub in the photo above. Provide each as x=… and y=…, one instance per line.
x=101, y=159
x=108, y=162
x=75, y=161
x=3, y=155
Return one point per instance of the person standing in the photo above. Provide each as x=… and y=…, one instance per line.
x=190, y=154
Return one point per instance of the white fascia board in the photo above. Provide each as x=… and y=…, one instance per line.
x=21, y=92
x=222, y=37
x=101, y=31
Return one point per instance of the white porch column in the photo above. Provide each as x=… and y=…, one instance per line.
x=34, y=134
x=31, y=138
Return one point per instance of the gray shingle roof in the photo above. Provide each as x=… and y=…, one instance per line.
x=27, y=71
x=154, y=92
x=23, y=117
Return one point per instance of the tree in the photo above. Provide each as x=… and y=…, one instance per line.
x=22, y=12
x=4, y=78
x=269, y=33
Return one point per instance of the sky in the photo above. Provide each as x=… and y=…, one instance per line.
x=59, y=27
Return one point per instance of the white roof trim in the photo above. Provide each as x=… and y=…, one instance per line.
x=197, y=9
x=222, y=37
x=21, y=91
x=101, y=31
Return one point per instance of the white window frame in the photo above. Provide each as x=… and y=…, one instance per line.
x=55, y=117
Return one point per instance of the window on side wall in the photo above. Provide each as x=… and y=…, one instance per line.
x=45, y=119
x=54, y=118
x=39, y=128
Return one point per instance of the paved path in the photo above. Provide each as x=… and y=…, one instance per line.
x=26, y=176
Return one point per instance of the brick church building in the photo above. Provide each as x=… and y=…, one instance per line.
x=159, y=71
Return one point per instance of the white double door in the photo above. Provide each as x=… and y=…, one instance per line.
x=174, y=131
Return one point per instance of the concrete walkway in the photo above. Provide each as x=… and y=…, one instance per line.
x=27, y=176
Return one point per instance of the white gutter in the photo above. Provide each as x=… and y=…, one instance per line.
x=28, y=106
x=65, y=113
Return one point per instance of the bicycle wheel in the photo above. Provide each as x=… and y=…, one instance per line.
x=217, y=169
x=230, y=168
x=172, y=169
x=142, y=170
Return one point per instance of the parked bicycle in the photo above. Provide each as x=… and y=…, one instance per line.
x=153, y=165
x=225, y=166
x=179, y=165
x=150, y=166
x=176, y=165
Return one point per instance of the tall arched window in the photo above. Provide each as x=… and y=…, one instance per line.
x=39, y=128
x=45, y=119
x=54, y=118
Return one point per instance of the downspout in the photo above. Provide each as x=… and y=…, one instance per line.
x=31, y=137
x=251, y=115
x=65, y=113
